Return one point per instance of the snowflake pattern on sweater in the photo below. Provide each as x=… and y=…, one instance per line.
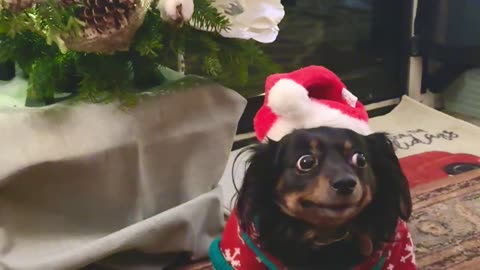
x=239, y=251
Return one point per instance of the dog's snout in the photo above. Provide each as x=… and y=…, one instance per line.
x=344, y=185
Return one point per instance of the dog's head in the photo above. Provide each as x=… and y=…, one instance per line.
x=324, y=191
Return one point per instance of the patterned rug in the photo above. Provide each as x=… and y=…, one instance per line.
x=446, y=223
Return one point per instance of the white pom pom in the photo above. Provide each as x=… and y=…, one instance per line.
x=176, y=10
x=289, y=99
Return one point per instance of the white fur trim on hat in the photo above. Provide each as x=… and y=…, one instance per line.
x=319, y=115
x=289, y=99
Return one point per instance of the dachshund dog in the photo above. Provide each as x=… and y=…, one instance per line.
x=324, y=198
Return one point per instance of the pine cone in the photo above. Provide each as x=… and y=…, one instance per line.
x=109, y=24
x=106, y=15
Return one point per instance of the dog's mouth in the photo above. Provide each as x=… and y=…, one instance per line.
x=334, y=208
x=328, y=213
x=322, y=214
x=329, y=210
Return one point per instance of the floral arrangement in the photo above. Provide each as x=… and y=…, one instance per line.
x=113, y=49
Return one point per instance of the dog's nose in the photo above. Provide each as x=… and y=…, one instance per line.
x=344, y=185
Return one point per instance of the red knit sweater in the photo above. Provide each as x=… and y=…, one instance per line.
x=236, y=250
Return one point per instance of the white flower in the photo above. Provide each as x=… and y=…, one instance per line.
x=251, y=19
x=177, y=11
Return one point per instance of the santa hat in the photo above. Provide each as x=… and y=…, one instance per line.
x=306, y=98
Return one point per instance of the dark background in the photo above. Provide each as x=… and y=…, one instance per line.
x=366, y=42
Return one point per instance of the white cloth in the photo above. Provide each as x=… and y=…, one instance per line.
x=80, y=183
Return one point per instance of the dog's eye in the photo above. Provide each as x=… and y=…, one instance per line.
x=306, y=163
x=359, y=160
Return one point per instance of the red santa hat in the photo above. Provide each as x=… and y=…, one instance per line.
x=306, y=98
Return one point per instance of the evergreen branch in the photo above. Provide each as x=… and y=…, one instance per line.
x=208, y=18
x=49, y=20
x=149, y=39
x=33, y=39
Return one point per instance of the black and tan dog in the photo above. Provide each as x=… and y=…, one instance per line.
x=323, y=198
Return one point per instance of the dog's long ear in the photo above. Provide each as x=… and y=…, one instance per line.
x=392, y=186
x=260, y=177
